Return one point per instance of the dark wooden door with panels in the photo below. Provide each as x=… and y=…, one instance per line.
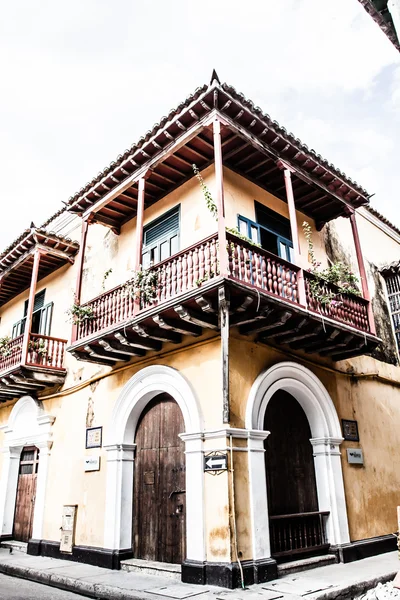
x=26, y=494
x=159, y=523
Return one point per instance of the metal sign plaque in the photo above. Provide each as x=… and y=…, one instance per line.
x=92, y=463
x=218, y=461
x=94, y=437
x=355, y=456
x=350, y=430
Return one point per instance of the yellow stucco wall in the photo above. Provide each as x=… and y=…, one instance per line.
x=372, y=490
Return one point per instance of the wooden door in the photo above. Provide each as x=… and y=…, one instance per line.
x=159, y=487
x=289, y=458
x=26, y=491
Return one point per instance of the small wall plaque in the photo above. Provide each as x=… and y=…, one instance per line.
x=350, y=430
x=94, y=437
x=355, y=456
x=92, y=463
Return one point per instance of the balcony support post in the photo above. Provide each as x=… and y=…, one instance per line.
x=223, y=304
x=31, y=302
x=139, y=232
x=363, y=274
x=81, y=261
x=287, y=171
x=139, y=223
x=219, y=176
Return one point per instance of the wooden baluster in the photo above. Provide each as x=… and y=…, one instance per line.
x=190, y=270
x=274, y=278
x=201, y=262
x=270, y=285
x=289, y=293
x=173, y=285
x=184, y=272
x=179, y=275
x=249, y=259
x=195, y=266
x=264, y=278
x=281, y=280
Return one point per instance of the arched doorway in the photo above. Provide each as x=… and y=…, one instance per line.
x=297, y=528
x=305, y=387
x=26, y=494
x=129, y=411
x=159, y=489
x=28, y=438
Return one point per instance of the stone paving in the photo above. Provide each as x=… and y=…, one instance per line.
x=333, y=582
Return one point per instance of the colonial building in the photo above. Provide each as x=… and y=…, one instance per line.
x=179, y=380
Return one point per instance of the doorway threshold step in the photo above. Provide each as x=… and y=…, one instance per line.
x=14, y=545
x=137, y=565
x=295, y=566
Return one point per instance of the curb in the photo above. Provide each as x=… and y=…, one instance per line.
x=107, y=592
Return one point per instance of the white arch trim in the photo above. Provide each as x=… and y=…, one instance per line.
x=120, y=447
x=318, y=406
x=28, y=425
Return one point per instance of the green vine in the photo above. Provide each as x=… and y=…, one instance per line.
x=212, y=207
x=338, y=274
x=78, y=314
x=143, y=285
x=5, y=349
x=206, y=277
x=105, y=277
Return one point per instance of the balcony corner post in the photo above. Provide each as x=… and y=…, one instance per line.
x=31, y=302
x=223, y=305
x=81, y=260
x=363, y=274
x=287, y=171
x=219, y=176
x=139, y=232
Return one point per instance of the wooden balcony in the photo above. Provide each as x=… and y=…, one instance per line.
x=41, y=368
x=270, y=298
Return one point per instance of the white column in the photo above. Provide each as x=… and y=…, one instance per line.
x=330, y=488
x=119, y=496
x=8, y=489
x=195, y=522
x=41, y=483
x=258, y=495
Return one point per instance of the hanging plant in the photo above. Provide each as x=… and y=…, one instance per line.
x=212, y=207
x=78, y=314
x=337, y=274
x=39, y=346
x=5, y=349
x=143, y=286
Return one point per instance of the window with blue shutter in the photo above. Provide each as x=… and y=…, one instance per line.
x=41, y=317
x=271, y=230
x=161, y=238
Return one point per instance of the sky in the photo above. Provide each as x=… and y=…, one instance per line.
x=81, y=81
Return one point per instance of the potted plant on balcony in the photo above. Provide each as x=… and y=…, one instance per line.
x=328, y=284
x=5, y=349
x=143, y=285
x=78, y=314
x=38, y=351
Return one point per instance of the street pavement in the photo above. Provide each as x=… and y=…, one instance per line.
x=21, y=589
x=332, y=582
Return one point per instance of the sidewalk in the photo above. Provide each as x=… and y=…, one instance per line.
x=333, y=582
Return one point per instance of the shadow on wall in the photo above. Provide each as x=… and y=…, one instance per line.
x=387, y=351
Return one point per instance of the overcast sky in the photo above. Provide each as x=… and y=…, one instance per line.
x=80, y=81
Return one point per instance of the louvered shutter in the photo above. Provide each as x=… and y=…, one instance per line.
x=45, y=319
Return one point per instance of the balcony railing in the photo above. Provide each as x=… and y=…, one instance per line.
x=14, y=354
x=199, y=263
x=46, y=351
x=181, y=273
x=298, y=533
x=43, y=351
x=346, y=308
